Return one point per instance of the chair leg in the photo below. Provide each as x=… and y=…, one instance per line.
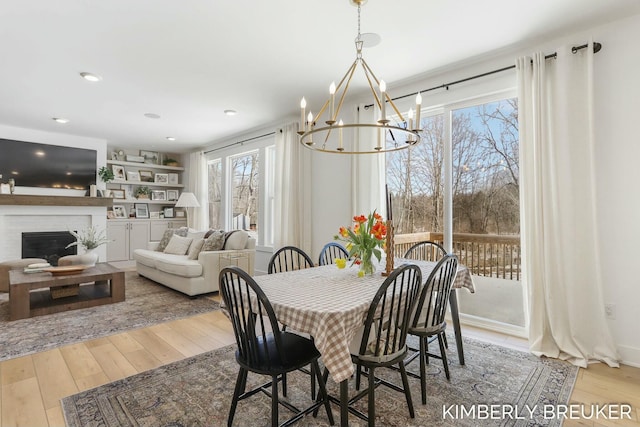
x=322, y=392
x=274, y=401
x=313, y=382
x=358, y=376
x=426, y=349
x=240, y=385
x=371, y=412
x=423, y=370
x=407, y=390
x=284, y=385
x=443, y=353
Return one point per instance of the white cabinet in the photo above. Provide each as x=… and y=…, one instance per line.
x=127, y=236
x=158, y=227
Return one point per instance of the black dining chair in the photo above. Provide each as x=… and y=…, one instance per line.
x=428, y=319
x=330, y=252
x=384, y=336
x=426, y=251
x=289, y=258
x=265, y=349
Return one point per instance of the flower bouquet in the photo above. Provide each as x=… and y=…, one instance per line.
x=363, y=241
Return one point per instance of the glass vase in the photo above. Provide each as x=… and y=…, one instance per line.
x=366, y=264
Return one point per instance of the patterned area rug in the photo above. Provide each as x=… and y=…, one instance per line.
x=146, y=303
x=197, y=392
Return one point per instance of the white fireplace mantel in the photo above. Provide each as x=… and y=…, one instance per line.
x=18, y=219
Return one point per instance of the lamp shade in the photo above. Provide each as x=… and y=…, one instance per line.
x=187, y=200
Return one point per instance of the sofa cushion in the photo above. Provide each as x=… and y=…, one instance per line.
x=166, y=237
x=236, y=240
x=178, y=245
x=195, y=248
x=146, y=257
x=178, y=265
x=215, y=241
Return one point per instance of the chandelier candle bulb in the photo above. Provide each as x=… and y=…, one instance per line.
x=383, y=96
x=340, y=148
x=303, y=105
x=332, y=92
x=418, y=106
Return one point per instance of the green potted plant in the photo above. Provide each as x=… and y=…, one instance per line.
x=170, y=162
x=142, y=192
x=106, y=174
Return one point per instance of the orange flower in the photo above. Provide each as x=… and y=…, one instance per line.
x=377, y=216
x=344, y=232
x=360, y=219
x=379, y=230
x=356, y=228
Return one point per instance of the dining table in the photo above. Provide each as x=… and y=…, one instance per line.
x=330, y=304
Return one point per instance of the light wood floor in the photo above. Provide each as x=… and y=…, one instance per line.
x=32, y=386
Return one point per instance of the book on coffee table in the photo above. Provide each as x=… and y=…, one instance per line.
x=36, y=268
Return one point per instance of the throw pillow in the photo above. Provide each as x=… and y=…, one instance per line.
x=178, y=245
x=236, y=240
x=215, y=241
x=195, y=248
x=168, y=233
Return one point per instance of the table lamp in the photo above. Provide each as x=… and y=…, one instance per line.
x=187, y=200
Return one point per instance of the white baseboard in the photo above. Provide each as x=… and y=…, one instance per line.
x=629, y=355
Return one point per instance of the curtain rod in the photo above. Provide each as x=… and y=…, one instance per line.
x=240, y=142
x=596, y=48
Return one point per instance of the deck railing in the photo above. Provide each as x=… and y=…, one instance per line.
x=488, y=255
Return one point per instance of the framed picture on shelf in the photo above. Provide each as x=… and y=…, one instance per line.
x=162, y=178
x=173, y=178
x=154, y=215
x=158, y=195
x=118, y=172
x=133, y=176
x=142, y=210
x=118, y=194
x=146, y=175
x=172, y=195
x=168, y=212
x=119, y=211
x=111, y=215
x=151, y=157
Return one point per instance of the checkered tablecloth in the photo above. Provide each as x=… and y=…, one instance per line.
x=331, y=304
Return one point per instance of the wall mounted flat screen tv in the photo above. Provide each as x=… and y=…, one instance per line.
x=50, y=166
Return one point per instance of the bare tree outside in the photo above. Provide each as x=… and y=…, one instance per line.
x=485, y=173
x=245, y=190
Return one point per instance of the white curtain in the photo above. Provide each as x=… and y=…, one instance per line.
x=199, y=217
x=558, y=216
x=368, y=173
x=292, y=210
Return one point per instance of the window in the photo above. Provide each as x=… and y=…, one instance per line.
x=240, y=185
x=484, y=195
x=245, y=191
x=215, y=194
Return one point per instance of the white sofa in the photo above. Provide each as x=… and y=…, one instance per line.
x=192, y=277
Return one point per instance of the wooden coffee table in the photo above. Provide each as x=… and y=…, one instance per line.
x=29, y=293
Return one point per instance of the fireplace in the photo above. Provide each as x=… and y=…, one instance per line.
x=49, y=245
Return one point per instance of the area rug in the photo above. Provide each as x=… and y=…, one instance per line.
x=197, y=392
x=146, y=303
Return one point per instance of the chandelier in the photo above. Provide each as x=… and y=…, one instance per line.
x=376, y=137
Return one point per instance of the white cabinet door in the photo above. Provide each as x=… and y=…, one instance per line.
x=118, y=249
x=157, y=229
x=138, y=236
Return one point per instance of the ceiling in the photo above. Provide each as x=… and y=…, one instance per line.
x=189, y=60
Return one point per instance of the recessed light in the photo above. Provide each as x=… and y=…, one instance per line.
x=170, y=138
x=152, y=115
x=91, y=77
x=40, y=153
x=60, y=120
x=230, y=112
